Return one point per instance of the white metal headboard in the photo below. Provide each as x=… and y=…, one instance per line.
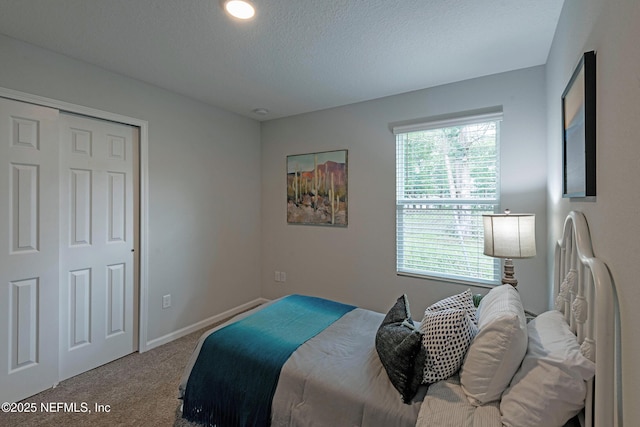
x=585, y=294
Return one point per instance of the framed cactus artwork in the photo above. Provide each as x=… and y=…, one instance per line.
x=317, y=188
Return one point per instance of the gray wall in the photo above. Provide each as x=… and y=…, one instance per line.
x=204, y=183
x=357, y=264
x=612, y=28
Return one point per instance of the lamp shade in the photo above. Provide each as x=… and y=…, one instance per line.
x=510, y=235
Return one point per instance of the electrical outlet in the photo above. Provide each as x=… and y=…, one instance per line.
x=276, y=276
x=166, y=301
x=283, y=276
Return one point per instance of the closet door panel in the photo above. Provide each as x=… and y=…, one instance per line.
x=29, y=249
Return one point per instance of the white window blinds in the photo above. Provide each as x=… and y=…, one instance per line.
x=447, y=176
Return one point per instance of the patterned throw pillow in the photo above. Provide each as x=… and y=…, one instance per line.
x=399, y=346
x=447, y=334
x=463, y=301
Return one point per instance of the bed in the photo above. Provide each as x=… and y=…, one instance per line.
x=339, y=365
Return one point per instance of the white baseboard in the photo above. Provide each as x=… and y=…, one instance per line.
x=201, y=324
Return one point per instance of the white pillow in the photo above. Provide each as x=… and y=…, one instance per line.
x=496, y=352
x=446, y=337
x=549, y=388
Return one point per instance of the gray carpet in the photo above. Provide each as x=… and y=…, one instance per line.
x=140, y=389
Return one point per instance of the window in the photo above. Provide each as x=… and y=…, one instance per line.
x=447, y=176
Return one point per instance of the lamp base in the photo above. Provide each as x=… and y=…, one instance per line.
x=509, y=273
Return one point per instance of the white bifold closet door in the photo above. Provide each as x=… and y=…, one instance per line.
x=29, y=245
x=68, y=228
x=98, y=309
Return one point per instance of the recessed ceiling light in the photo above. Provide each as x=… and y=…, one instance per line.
x=240, y=9
x=260, y=111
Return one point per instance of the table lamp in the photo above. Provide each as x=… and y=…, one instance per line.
x=509, y=236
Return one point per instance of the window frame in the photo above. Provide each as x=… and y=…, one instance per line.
x=426, y=125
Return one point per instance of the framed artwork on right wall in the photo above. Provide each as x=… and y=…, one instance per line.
x=579, y=130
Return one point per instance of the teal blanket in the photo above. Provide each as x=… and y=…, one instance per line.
x=235, y=376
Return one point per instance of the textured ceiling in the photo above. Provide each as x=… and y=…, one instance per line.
x=295, y=56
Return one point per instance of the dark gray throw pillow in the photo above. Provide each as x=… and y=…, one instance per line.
x=399, y=346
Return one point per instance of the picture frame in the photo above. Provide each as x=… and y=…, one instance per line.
x=317, y=188
x=579, y=130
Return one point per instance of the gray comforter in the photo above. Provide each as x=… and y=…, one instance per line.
x=336, y=379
